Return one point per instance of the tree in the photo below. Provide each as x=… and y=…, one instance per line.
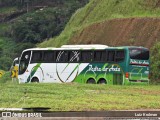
x=155, y=63
x=6, y=63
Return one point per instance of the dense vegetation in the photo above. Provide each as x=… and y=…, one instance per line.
x=155, y=63
x=37, y=26
x=101, y=10
x=23, y=23
x=44, y=23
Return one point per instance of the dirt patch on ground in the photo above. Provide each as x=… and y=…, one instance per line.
x=118, y=32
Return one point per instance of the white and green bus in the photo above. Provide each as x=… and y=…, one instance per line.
x=97, y=64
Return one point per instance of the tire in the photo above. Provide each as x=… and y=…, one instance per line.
x=35, y=80
x=91, y=81
x=102, y=81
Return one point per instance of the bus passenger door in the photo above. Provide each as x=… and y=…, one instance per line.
x=117, y=79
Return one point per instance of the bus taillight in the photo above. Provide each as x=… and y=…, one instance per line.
x=127, y=75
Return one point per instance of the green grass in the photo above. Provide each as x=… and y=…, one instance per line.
x=79, y=97
x=101, y=10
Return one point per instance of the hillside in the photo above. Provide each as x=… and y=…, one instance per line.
x=112, y=22
x=119, y=32
x=24, y=23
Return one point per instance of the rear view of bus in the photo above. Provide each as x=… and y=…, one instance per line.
x=138, y=68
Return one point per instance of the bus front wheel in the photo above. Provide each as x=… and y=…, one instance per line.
x=35, y=79
x=91, y=81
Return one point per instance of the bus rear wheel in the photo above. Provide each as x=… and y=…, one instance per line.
x=102, y=81
x=91, y=81
x=35, y=80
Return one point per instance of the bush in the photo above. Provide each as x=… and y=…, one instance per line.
x=5, y=63
x=155, y=63
x=6, y=77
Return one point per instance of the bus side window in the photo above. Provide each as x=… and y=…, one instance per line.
x=86, y=56
x=62, y=56
x=74, y=56
x=99, y=56
x=119, y=56
x=48, y=56
x=111, y=56
x=36, y=57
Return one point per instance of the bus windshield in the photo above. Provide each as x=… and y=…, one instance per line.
x=15, y=62
x=139, y=53
x=24, y=61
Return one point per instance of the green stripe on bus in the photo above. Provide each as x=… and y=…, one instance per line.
x=64, y=68
x=73, y=71
x=33, y=71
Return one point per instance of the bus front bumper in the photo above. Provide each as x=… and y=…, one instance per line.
x=136, y=82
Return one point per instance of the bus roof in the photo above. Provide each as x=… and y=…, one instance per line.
x=72, y=47
x=91, y=46
x=123, y=47
x=84, y=47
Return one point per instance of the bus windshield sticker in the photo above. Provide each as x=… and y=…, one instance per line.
x=139, y=62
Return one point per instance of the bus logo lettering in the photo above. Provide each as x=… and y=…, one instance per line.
x=113, y=68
